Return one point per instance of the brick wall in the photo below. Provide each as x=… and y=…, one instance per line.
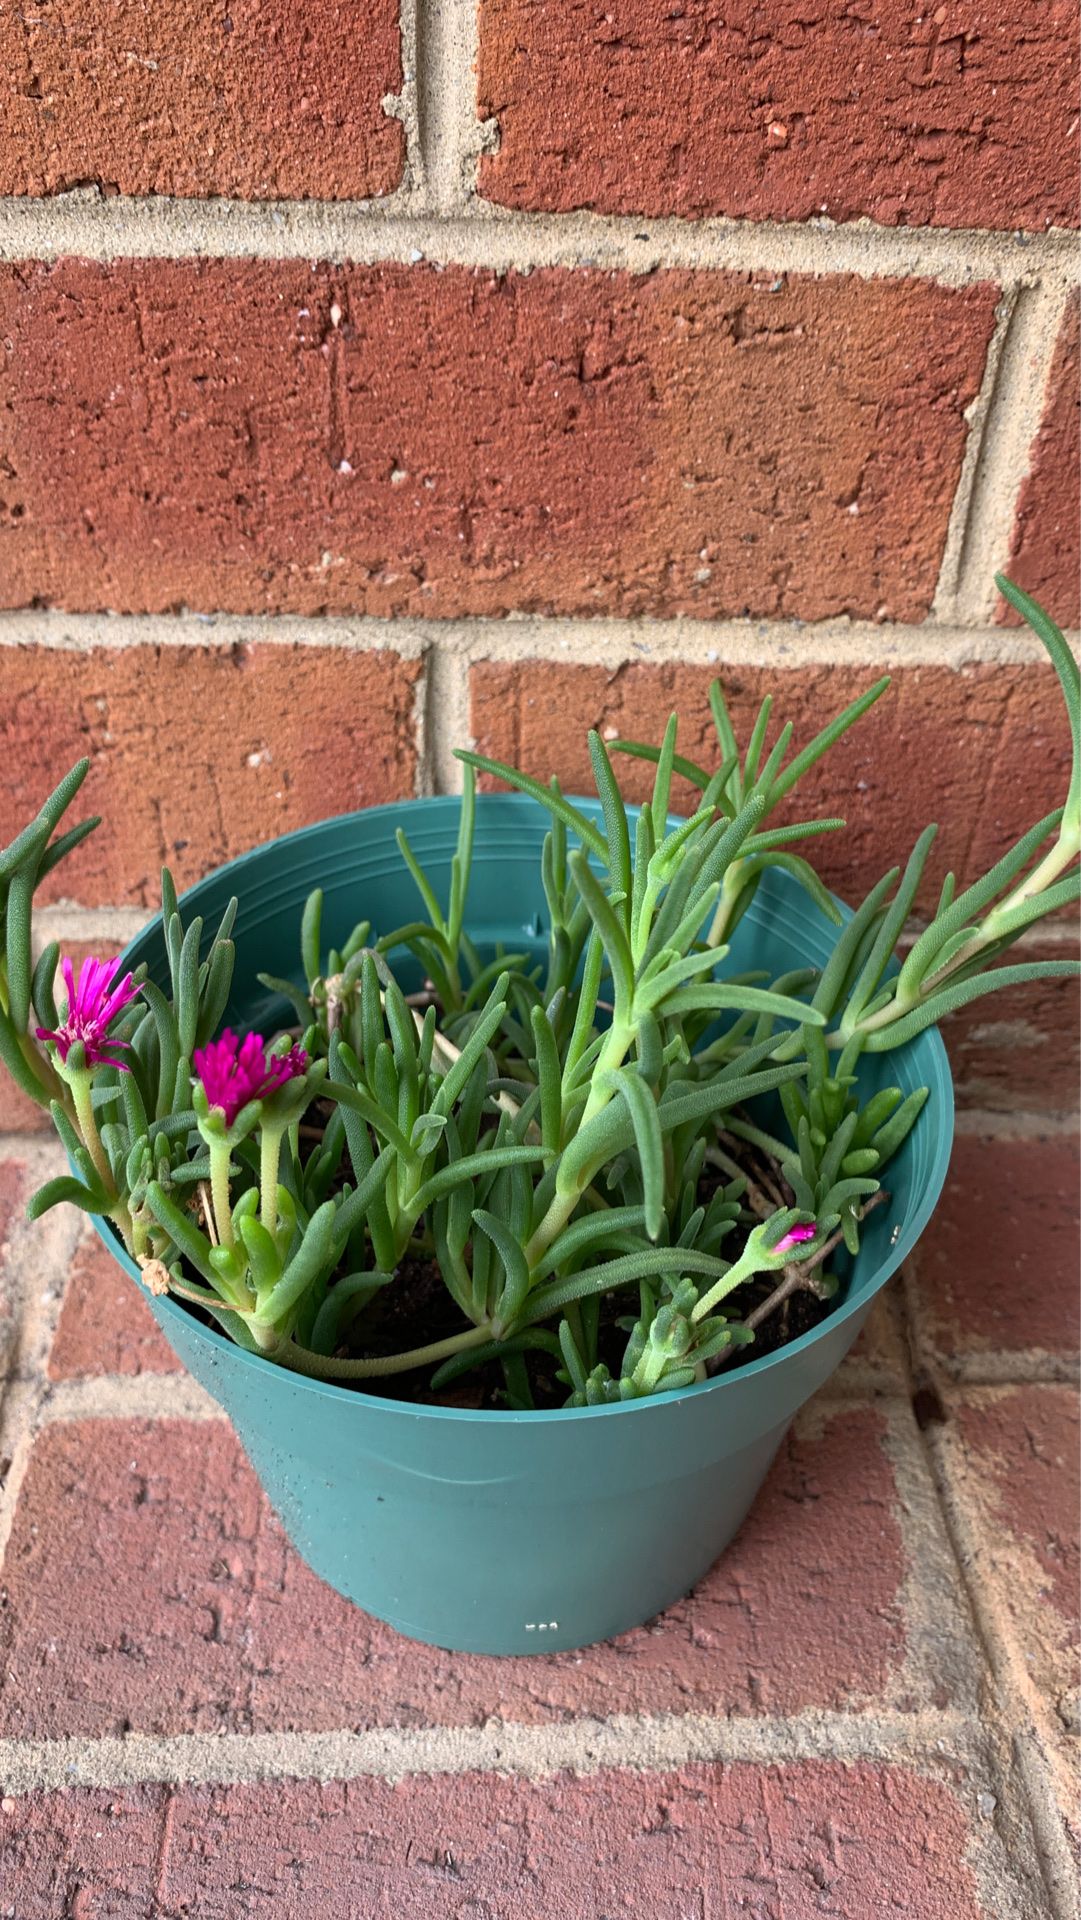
x=370, y=383
x=375, y=382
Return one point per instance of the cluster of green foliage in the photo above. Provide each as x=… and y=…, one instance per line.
x=539, y=1130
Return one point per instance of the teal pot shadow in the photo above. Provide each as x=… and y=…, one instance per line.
x=501, y=1532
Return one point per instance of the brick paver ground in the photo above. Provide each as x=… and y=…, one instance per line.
x=869, y=1707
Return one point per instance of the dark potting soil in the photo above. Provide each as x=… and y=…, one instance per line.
x=416, y=1310
x=799, y=1313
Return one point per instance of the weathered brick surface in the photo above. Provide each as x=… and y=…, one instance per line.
x=1021, y=1050
x=12, y=1196
x=105, y=1324
x=879, y=1355
x=198, y=753
x=258, y=101
x=12, y=1190
x=1045, y=555
x=984, y=751
x=799, y=1840
x=272, y=436
x=996, y=1271
x=1012, y=1455
x=957, y=116
x=147, y=1584
x=18, y=1113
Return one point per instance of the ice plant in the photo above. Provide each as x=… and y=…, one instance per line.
x=92, y=1005
x=84, y=1043
x=621, y=1156
x=236, y=1081
x=235, y=1071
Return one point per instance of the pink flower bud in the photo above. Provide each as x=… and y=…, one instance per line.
x=795, y=1237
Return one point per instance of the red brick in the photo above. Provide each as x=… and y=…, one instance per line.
x=962, y=116
x=1045, y=555
x=996, y=1270
x=12, y=1195
x=148, y=1585
x=255, y=100
x=105, y=1324
x=880, y=1351
x=18, y=1113
x=87, y=1855
x=244, y=743
x=1015, y=1463
x=268, y=435
x=985, y=751
x=799, y=1840
x=12, y=1191
x=1021, y=1051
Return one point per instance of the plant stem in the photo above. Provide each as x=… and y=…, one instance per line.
x=270, y=1146
x=564, y=1200
x=88, y=1128
x=737, y=1274
x=766, y=1143
x=219, y=1189
x=1055, y=862
x=756, y=1199
x=730, y=891
x=204, y=1298
x=320, y=1366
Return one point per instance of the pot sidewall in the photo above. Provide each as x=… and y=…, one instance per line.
x=495, y=1533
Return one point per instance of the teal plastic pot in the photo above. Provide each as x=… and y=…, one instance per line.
x=504, y=1532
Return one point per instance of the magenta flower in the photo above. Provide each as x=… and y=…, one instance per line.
x=234, y=1071
x=795, y=1238
x=93, y=1003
